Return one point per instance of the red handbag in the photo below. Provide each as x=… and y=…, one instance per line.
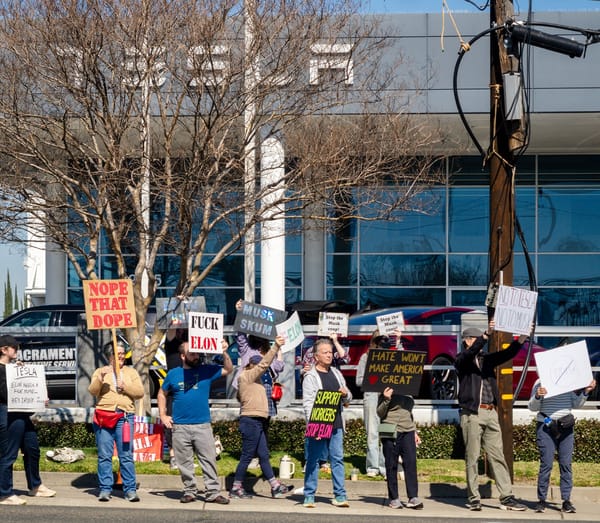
x=107, y=419
x=276, y=391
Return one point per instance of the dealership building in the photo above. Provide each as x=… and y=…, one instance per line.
x=441, y=258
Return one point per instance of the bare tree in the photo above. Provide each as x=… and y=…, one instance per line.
x=134, y=123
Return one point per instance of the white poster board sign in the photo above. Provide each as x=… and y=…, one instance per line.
x=205, y=332
x=333, y=323
x=388, y=323
x=291, y=330
x=515, y=310
x=26, y=387
x=564, y=369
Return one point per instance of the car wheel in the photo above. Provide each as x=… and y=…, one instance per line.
x=443, y=383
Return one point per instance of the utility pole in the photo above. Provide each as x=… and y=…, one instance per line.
x=506, y=137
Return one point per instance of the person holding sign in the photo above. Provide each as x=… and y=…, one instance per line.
x=254, y=423
x=555, y=433
x=323, y=378
x=478, y=400
x=397, y=410
x=116, y=388
x=190, y=422
x=18, y=433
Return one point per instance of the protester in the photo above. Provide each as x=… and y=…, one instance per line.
x=190, y=422
x=397, y=409
x=478, y=400
x=18, y=432
x=325, y=377
x=555, y=433
x=375, y=461
x=116, y=388
x=254, y=423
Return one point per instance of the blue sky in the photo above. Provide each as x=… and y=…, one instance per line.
x=435, y=6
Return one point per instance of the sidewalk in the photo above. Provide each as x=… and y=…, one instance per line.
x=367, y=498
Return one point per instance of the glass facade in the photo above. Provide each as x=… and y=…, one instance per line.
x=438, y=254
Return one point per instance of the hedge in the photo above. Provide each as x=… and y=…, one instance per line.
x=438, y=441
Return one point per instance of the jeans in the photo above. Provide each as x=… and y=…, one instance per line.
x=335, y=448
x=254, y=443
x=404, y=445
x=547, y=445
x=21, y=435
x=375, y=460
x=105, y=442
x=3, y=428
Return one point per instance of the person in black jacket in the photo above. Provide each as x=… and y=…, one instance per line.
x=478, y=400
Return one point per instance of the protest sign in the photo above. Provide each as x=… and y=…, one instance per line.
x=26, y=388
x=515, y=310
x=388, y=323
x=148, y=438
x=564, y=369
x=173, y=313
x=400, y=369
x=109, y=304
x=322, y=415
x=258, y=320
x=291, y=330
x=205, y=332
x=333, y=323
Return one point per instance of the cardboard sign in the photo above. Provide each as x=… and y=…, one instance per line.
x=148, y=439
x=388, y=323
x=173, y=313
x=400, y=369
x=258, y=320
x=333, y=323
x=564, y=369
x=205, y=332
x=26, y=388
x=291, y=330
x=515, y=310
x=323, y=413
x=109, y=304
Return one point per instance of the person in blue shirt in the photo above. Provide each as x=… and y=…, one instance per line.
x=189, y=385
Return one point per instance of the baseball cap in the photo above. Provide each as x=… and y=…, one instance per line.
x=255, y=360
x=471, y=332
x=6, y=340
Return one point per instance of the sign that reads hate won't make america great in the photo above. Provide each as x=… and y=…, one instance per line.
x=400, y=369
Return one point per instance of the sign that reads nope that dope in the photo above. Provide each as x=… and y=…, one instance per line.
x=109, y=304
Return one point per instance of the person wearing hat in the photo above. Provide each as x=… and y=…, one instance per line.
x=254, y=415
x=17, y=432
x=478, y=400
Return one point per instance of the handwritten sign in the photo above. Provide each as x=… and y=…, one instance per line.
x=173, y=313
x=323, y=413
x=205, y=332
x=515, y=310
x=148, y=439
x=26, y=388
x=333, y=323
x=258, y=320
x=388, y=323
x=564, y=369
x=400, y=369
x=291, y=330
x=109, y=304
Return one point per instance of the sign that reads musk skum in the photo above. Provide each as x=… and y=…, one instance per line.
x=323, y=413
x=109, y=304
x=400, y=369
x=258, y=320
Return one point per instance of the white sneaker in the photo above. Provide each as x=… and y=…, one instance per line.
x=12, y=500
x=299, y=491
x=41, y=492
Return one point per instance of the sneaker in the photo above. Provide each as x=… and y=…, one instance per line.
x=280, y=491
x=395, y=503
x=510, y=503
x=309, y=502
x=540, y=506
x=239, y=493
x=173, y=464
x=12, y=500
x=299, y=491
x=218, y=499
x=42, y=491
x=568, y=507
x=187, y=498
x=132, y=496
x=372, y=473
x=414, y=503
x=104, y=496
x=474, y=505
x=340, y=501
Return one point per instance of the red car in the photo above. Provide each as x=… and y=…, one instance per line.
x=440, y=339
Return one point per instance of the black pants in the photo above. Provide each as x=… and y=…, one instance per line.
x=404, y=445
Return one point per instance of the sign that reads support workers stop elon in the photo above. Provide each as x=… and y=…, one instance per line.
x=109, y=304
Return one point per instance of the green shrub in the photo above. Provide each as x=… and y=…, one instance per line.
x=74, y=435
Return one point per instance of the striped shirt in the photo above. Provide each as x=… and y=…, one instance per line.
x=557, y=406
